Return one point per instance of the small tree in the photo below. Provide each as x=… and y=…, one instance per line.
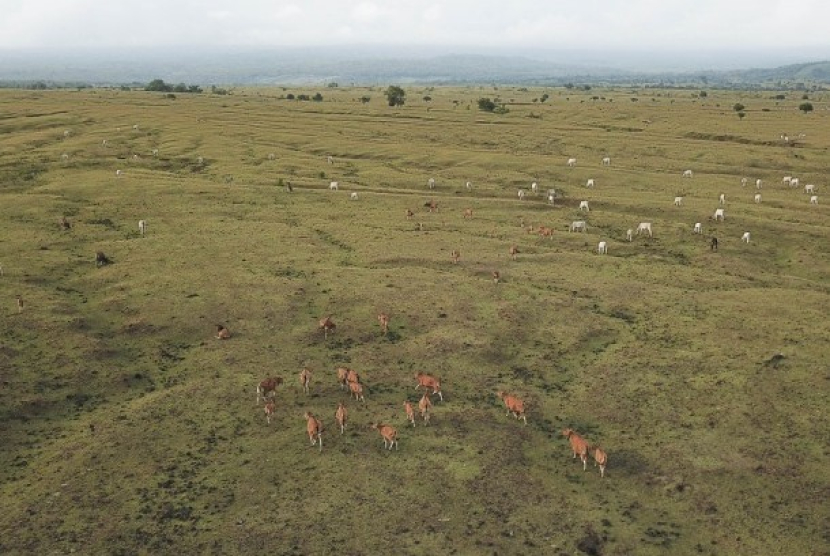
x=364, y=99
x=486, y=105
x=395, y=95
x=805, y=107
x=427, y=98
x=703, y=94
x=738, y=107
x=741, y=115
x=545, y=97
x=317, y=97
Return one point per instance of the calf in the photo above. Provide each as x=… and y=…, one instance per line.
x=514, y=405
x=455, y=256
x=222, y=333
x=326, y=325
x=270, y=408
x=389, y=434
x=267, y=388
x=424, y=407
x=514, y=250
x=600, y=458
x=305, y=379
x=428, y=382
x=341, y=416
x=314, y=428
x=578, y=445
x=410, y=412
x=383, y=319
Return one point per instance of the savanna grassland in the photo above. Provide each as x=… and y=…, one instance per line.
x=127, y=428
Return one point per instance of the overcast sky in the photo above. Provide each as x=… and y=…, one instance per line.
x=629, y=24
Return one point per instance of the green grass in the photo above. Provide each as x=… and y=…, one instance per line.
x=663, y=352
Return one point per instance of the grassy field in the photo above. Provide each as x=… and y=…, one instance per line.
x=126, y=428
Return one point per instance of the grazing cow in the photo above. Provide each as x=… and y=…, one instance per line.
x=353, y=196
x=200, y=160
x=428, y=382
x=455, y=255
x=579, y=225
x=424, y=407
x=326, y=325
x=718, y=215
x=135, y=127
x=814, y=200
x=551, y=198
x=142, y=227
x=786, y=180
x=687, y=174
x=267, y=387
x=104, y=143
x=119, y=173
x=101, y=259
x=757, y=197
x=410, y=412
x=431, y=183
x=583, y=205
x=534, y=187
x=578, y=445
x=722, y=198
x=514, y=250
x=272, y=156
x=809, y=188
x=305, y=379
x=66, y=133
x=744, y=181
x=270, y=407
x=496, y=276
x=352, y=376
x=602, y=248
x=544, y=231
x=600, y=458
x=468, y=213
x=645, y=227
x=334, y=186
x=759, y=183
x=383, y=319
x=409, y=214
x=64, y=157
x=469, y=186
x=714, y=244
x=341, y=416
x=678, y=201
x=356, y=390
x=571, y=162
x=222, y=333
x=389, y=434
x=629, y=234
x=745, y=237
x=314, y=428
x=521, y=194
x=154, y=152
x=330, y=160
x=19, y=304
x=431, y=205
x=342, y=376
x=65, y=224
x=589, y=183
x=514, y=405
x=606, y=161
x=698, y=229
x=793, y=182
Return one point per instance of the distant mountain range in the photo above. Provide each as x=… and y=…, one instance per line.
x=274, y=67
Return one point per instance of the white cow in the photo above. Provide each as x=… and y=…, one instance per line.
x=583, y=205
x=67, y=133
x=571, y=162
x=722, y=198
x=606, y=161
x=602, y=248
x=200, y=160
x=744, y=181
x=104, y=143
x=469, y=185
x=758, y=183
x=118, y=173
x=155, y=152
x=698, y=229
x=757, y=197
x=551, y=198
x=787, y=180
x=678, y=201
x=794, y=182
x=334, y=186
x=272, y=156
x=814, y=200
x=629, y=234
x=353, y=196
x=64, y=157
x=687, y=174
x=589, y=183
x=645, y=227
x=142, y=227
x=809, y=188
x=135, y=127
x=521, y=194
x=330, y=160
x=431, y=183
x=745, y=237
x=579, y=225
x=534, y=187
x=718, y=215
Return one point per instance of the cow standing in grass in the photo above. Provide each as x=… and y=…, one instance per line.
x=428, y=382
x=578, y=445
x=514, y=405
x=341, y=416
x=314, y=428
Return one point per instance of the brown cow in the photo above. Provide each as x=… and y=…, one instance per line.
x=468, y=213
x=455, y=256
x=65, y=223
x=514, y=405
x=222, y=333
x=514, y=251
x=383, y=319
x=305, y=378
x=270, y=407
x=341, y=416
x=425, y=406
x=544, y=231
x=429, y=382
x=409, y=214
x=600, y=458
x=342, y=376
x=389, y=434
x=496, y=276
x=352, y=376
x=432, y=205
x=314, y=428
x=356, y=390
x=327, y=325
x=410, y=412
x=267, y=387
x=578, y=445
